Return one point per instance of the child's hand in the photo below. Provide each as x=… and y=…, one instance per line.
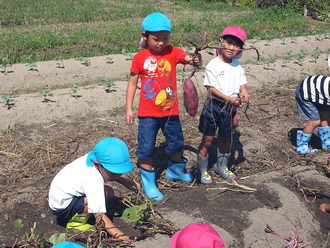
x=236, y=101
x=129, y=117
x=127, y=240
x=198, y=60
x=132, y=185
x=245, y=98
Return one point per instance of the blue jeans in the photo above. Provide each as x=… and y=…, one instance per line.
x=148, y=129
x=216, y=114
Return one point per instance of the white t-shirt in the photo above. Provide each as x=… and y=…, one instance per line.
x=78, y=179
x=225, y=77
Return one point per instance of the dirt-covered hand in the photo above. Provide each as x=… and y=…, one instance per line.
x=127, y=240
x=133, y=185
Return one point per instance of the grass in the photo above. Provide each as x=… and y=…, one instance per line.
x=79, y=28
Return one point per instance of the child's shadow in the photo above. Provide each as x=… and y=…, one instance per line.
x=314, y=143
x=160, y=158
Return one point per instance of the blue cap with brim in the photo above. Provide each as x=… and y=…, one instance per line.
x=156, y=22
x=67, y=244
x=112, y=154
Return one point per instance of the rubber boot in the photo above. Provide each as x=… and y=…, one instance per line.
x=202, y=174
x=149, y=184
x=175, y=171
x=79, y=221
x=221, y=166
x=324, y=133
x=302, y=143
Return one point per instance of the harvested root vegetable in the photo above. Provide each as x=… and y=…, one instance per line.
x=235, y=121
x=190, y=97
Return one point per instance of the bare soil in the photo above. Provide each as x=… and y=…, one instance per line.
x=40, y=137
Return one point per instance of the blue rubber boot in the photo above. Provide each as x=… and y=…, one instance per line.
x=175, y=171
x=324, y=133
x=149, y=184
x=221, y=166
x=202, y=174
x=302, y=143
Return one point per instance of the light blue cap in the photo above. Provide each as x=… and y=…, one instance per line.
x=156, y=22
x=67, y=244
x=112, y=154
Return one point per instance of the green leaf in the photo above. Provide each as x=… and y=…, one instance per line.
x=131, y=214
x=57, y=238
x=18, y=223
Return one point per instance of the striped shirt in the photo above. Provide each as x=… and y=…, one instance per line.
x=316, y=89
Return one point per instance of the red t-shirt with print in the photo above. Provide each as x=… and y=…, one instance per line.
x=158, y=95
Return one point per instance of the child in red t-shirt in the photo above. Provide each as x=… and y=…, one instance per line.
x=158, y=106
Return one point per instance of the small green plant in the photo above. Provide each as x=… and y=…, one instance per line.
x=272, y=58
x=284, y=62
x=248, y=69
x=315, y=54
x=126, y=74
x=300, y=56
x=7, y=98
x=5, y=64
x=18, y=223
x=44, y=92
x=269, y=38
x=74, y=89
x=106, y=82
x=288, y=54
x=326, y=34
x=31, y=63
x=319, y=37
x=253, y=42
x=85, y=61
x=129, y=56
x=109, y=60
x=283, y=39
x=294, y=37
x=60, y=64
x=255, y=58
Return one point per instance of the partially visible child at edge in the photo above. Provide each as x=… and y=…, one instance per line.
x=313, y=103
x=158, y=105
x=78, y=190
x=224, y=79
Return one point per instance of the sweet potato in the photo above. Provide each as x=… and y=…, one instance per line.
x=235, y=121
x=190, y=97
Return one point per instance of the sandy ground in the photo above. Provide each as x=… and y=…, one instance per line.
x=94, y=98
x=239, y=218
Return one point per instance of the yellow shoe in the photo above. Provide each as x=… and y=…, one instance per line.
x=80, y=226
x=79, y=221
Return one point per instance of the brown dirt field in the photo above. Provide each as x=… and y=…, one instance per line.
x=39, y=137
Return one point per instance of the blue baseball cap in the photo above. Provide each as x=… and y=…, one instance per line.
x=156, y=22
x=112, y=154
x=67, y=244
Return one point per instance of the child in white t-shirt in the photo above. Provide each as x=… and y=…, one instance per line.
x=224, y=80
x=78, y=190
